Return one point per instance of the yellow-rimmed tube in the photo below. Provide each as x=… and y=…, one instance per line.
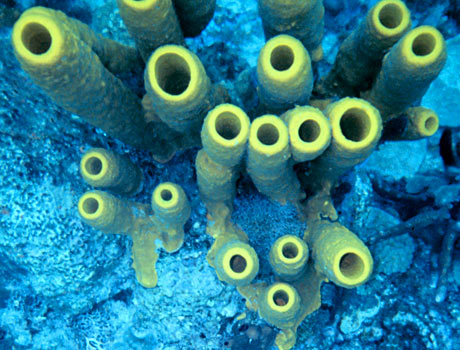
x=172, y=210
x=422, y=122
x=105, y=212
x=268, y=159
x=361, y=53
x=280, y=305
x=52, y=49
x=225, y=134
x=356, y=129
x=284, y=74
x=107, y=169
x=179, y=89
x=288, y=257
x=309, y=132
x=302, y=19
x=152, y=23
x=408, y=70
x=195, y=15
x=339, y=254
x=237, y=263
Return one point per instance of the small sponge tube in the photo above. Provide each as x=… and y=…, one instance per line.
x=105, y=212
x=170, y=205
x=110, y=170
x=288, y=257
x=280, y=305
x=237, y=263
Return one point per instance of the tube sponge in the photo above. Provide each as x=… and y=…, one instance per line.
x=195, y=15
x=224, y=136
x=309, y=132
x=280, y=305
x=216, y=182
x=104, y=168
x=63, y=57
x=408, y=70
x=339, y=254
x=106, y=212
x=288, y=257
x=225, y=133
x=152, y=23
x=356, y=130
x=284, y=74
x=236, y=263
x=302, y=19
x=179, y=89
x=172, y=210
x=360, y=55
x=268, y=160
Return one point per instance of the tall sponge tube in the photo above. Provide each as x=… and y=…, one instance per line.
x=268, y=161
x=224, y=136
x=152, y=23
x=408, y=70
x=361, y=54
x=302, y=19
x=59, y=58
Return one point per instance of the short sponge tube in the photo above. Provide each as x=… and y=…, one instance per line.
x=179, y=89
x=302, y=19
x=152, y=23
x=170, y=204
x=288, y=257
x=284, y=74
x=225, y=134
x=172, y=210
x=309, y=132
x=413, y=124
x=105, y=212
x=110, y=170
x=280, y=305
x=236, y=263
x=408, y=70
x=339, y=254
